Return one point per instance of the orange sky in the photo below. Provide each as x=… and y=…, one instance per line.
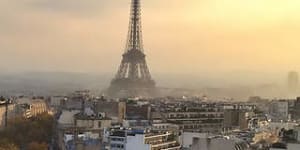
x=189, y=36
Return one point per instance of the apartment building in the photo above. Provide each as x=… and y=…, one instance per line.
x=143, y=140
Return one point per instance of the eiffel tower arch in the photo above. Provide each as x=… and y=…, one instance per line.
x=133, y=77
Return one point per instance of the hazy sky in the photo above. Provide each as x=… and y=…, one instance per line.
x=191, y=36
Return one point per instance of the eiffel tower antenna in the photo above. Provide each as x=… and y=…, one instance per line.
x=133, y=76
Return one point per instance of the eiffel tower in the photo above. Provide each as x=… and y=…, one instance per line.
x=133, y=77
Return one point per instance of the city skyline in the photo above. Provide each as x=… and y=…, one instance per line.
x=203, y=37
x=191, y=75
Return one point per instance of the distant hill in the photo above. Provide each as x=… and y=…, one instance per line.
x=46, y=83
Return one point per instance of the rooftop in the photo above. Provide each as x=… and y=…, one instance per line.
x=81, y=116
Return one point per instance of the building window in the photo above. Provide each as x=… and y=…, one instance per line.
x=99, y=124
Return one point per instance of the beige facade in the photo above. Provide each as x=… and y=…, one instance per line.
x=31, y=107
x=11, y=109
x=121, y=111
x=200, y=120
x=214, y=144
x=235, y=119
x=94, y=124
x=114, y=110
x=38, y=107
x=152, y=140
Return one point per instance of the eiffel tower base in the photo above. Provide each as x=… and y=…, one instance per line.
x=124, y=88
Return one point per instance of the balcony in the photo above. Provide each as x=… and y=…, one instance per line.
x=168, y=145
x=155, y=135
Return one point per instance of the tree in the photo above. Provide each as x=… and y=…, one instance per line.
x=28, y=133
x=6, y=145
x=37, y=146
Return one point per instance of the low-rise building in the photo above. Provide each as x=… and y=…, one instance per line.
x=235, y=119
x=56, y=101
x=113, y=109
x=218, y=143
x=143, y=140
x=10, y=113
x=83, y=130
x=278, y=146
x=198, y=117
x=293, y=146
x=186, y=138
x=31, y=107
x=92, y=122
x=38, y=107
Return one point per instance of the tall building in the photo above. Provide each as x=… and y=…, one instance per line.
x=296, y=110
x=293, y=81
x=133, y=77
x=279, y=110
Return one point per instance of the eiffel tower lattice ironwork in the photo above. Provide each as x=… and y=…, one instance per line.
x=133, y=76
